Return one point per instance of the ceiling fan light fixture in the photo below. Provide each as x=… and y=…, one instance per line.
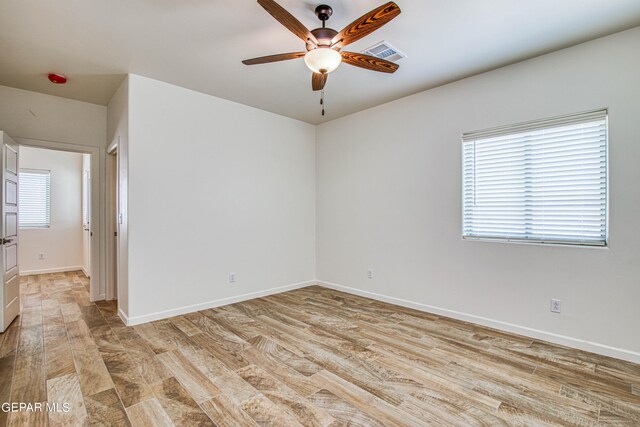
x=322, y=60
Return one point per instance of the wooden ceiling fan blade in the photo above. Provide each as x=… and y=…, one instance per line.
x=273, y=58
x=366, y=24
x=318, y=80
x=369, y=62
x=288, y=20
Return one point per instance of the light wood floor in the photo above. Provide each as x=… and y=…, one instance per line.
x=312, y=357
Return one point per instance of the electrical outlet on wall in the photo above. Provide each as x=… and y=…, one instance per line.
x=556, y=305
x=41, y=255
x=370, y=273
x=232, y=277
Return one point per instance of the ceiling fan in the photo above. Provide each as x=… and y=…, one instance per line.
x=323, y=45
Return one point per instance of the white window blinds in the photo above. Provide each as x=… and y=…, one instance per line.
x=34, y=204
x=543, y=181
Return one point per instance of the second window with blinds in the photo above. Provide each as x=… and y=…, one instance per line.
x=34, y=206
x=542, y=182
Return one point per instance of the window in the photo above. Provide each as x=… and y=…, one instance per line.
x=35, y=198
x=543, y=182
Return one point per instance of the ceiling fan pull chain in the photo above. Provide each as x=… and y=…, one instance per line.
x=322, y=100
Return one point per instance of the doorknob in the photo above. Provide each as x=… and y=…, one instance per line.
x=5, y=241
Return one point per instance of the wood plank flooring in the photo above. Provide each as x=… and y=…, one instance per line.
x=310, y=357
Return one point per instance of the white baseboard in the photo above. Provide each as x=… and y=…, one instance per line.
x=100, y=297
x=51, y=270
x=123, y=317
x=136, y=320
x=585, y=345
x=86, y=273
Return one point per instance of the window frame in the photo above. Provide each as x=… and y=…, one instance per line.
x=540, y=125
x=32, y=171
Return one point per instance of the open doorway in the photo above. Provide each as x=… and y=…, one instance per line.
x=54, y=212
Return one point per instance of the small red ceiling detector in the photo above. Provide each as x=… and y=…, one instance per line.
x=58, y=79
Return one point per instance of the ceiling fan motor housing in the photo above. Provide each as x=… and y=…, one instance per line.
x=324, y=37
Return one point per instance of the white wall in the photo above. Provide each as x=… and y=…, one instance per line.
x=214, y=187
x=389, y=198
x=61, y=243
x=35, y=119
x=30, y=115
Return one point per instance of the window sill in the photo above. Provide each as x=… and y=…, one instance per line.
x=538, y=243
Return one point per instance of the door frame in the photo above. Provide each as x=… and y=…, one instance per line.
x=97, y=290
x=112, y=273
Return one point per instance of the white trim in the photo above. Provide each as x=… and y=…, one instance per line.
x=619, y=353
x=86, y=273
x=113, y=147
x=111, y=274
x=123, y=317
x=131, y=321
x=52, y=270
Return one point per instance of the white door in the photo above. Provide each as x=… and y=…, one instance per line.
x=10, y=299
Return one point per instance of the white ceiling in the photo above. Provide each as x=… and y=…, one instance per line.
x=199, y=44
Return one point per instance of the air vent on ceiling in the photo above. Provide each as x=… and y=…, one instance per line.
x=384, y=50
